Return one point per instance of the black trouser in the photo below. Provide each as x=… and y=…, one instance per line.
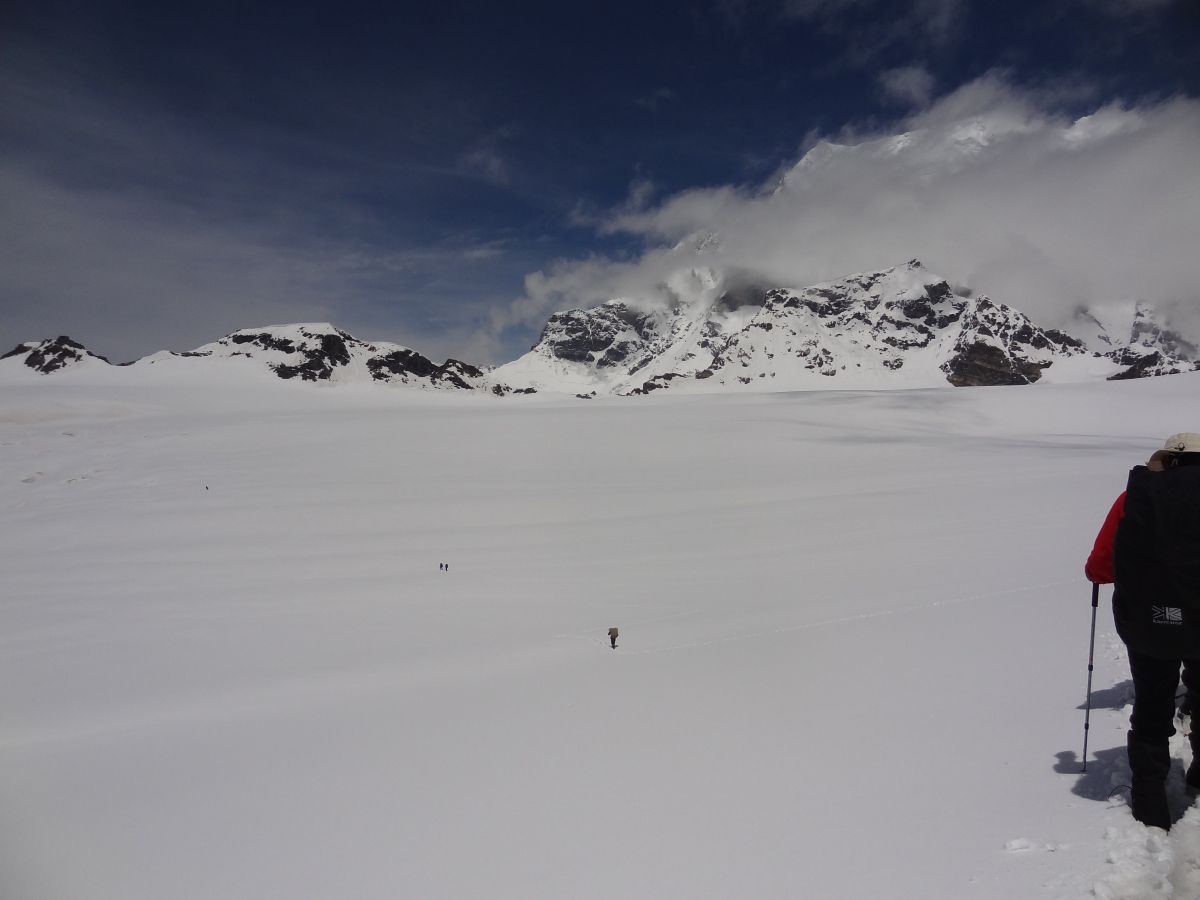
x=1151, y=726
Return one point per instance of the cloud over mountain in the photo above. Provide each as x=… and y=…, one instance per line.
x=989, y=185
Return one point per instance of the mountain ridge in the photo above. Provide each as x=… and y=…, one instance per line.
x=897, y=327
x=893, y=328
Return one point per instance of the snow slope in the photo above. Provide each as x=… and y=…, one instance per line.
x=853, y=644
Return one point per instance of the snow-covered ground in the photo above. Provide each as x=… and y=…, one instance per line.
x=853, y=644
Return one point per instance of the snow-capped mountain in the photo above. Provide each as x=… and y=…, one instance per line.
x=316, y=352
x=1136, y=338
x=49, y=356
x=900, y=327
x=320, y=352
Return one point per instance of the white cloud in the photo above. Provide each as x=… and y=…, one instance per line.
x=487, y=161
x=910, y=84
x=987, y=187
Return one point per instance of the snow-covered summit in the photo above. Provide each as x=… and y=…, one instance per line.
x=899, y=327
x=1137, y=339
x=316, y=352
x=903, y=327
x=49, y=356
x=320, y=352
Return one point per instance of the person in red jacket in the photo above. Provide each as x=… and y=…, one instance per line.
x=1149, y=549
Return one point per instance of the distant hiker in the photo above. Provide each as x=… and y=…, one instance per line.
x=612, y=637
x=441, y=566
x=1149, y=549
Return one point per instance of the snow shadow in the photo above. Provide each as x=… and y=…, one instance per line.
x=1107, y=774
x=1108, y=778
x=1114, y=697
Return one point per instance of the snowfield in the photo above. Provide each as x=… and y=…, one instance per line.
x=852, y=652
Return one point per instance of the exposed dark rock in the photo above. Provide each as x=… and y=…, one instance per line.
x=318, y=362
x=312, y=370
x=1147, y=331
x=333, y=348
x=1153, y=363
x=50, y=356
x=464, y=369
x=578, y=335
x=265, y=340
x=741, y=295
x=983, y=364
x=938, y=292
x=901, y=343
x=616, y=354
x=1063, y=339
x=399, y=363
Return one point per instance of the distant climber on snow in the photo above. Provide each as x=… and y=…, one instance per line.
x=1149, y=549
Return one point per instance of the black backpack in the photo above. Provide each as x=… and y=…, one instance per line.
x=1156, y=563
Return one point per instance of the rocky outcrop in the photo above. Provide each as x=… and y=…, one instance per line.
x=52, y=355
x=321, y=353
x=998, y=345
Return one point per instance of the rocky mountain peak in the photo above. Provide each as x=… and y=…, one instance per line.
x=52, y=355
x=899, y=326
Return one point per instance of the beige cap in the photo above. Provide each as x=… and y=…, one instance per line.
x=1187, y=442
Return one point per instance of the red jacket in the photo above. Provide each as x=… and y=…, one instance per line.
x=1099, y=567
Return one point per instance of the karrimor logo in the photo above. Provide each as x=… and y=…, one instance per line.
x=1166, y=615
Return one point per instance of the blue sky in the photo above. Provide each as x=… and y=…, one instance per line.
x=172, y=172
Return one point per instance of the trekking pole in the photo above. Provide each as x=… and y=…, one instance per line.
x=1091, y=654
